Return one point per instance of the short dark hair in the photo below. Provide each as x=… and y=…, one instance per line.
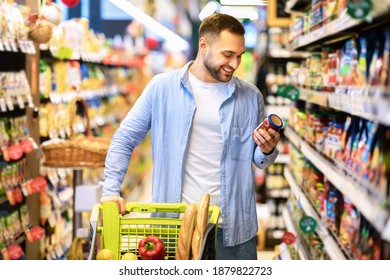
x=213, y=25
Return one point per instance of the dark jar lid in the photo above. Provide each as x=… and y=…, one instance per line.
x=275, y=121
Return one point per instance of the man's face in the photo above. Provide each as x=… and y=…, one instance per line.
x=223, y=56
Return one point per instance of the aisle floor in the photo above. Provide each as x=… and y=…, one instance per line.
x=265, y=255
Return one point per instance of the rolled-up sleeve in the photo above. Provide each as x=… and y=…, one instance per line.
x=263, y=161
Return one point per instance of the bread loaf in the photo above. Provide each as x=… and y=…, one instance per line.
x=201, y=225
x=185, y=235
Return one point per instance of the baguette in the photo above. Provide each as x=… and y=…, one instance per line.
x=185, y=235
x=201, y=225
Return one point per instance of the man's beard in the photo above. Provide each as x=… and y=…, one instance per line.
x=216, y=73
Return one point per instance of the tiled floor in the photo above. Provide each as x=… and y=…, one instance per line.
x=265, y=255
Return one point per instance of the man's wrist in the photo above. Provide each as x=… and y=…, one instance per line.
x=267, y=154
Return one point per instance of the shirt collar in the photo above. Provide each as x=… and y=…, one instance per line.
x=184, y=78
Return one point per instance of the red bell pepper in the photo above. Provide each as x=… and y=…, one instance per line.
x=151, y=248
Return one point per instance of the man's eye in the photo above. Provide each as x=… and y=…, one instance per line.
x=227, y=54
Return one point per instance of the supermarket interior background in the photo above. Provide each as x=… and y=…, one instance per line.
x=321, y=65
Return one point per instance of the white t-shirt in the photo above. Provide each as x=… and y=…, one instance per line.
x=202, y=166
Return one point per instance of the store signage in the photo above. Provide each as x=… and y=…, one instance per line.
x=307, y=224
x=288, y=91
x=359, y=9
x=288, y=238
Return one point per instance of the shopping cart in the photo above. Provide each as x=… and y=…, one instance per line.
x=122, y=233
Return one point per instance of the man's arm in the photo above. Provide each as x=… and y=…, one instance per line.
x=130, y=133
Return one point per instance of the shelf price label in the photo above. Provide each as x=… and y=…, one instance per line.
x=307, y=224
x=359, y=9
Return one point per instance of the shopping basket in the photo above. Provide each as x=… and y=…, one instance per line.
x=122, y=233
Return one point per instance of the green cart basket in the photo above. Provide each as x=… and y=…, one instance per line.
x=122, y=233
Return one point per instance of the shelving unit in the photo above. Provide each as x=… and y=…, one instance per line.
x=368, y=103
x=370, y=207
x=331, y=245
x=340, y=28
x=296, y=5
x=371, y=103
x=292, y=228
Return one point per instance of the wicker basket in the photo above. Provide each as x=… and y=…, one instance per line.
x=41, y=32
x=78, y=151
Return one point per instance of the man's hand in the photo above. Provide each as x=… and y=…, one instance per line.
x=120, y=202
x=266, y=141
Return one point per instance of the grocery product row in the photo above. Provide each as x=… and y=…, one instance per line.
x=60, y=81
x=335, y=71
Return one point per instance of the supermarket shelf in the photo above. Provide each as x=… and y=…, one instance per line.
x=357, y=103
x=295, y=6
x=293, y=137
x=283, y=158
x=371, y=108
x=335, y=28
x=17, y=46
x=330, y=244
x=369, y=206
x=291, y=228
x=312, y=96
x=283, y=53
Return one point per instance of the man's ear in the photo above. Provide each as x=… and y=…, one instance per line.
x=203, y=45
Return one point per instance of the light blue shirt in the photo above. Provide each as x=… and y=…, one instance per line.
x=166, y=108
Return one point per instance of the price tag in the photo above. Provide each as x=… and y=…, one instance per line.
x=10, y=104
x=31, y=48
x=52, y=221
x=3, y=107
x=67, y=130
x=62, y=133
x=22, y=46
x=52, y=97
x=24, y=189
x=20, y=101
x=62, y=173
x=6, y=44
x=14, y=47
x=30, y=100
x=1, y=45
x=59, y=250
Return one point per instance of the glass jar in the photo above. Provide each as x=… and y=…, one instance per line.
x=272, y=121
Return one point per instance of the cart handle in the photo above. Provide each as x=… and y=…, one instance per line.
x=93, y=232
x=168, y=207
x=214, y=214
x=155, y=207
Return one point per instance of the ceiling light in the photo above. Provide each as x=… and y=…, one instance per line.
x=244, y=2
x=151, y=24
x=241, y=12
x=209, y=9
